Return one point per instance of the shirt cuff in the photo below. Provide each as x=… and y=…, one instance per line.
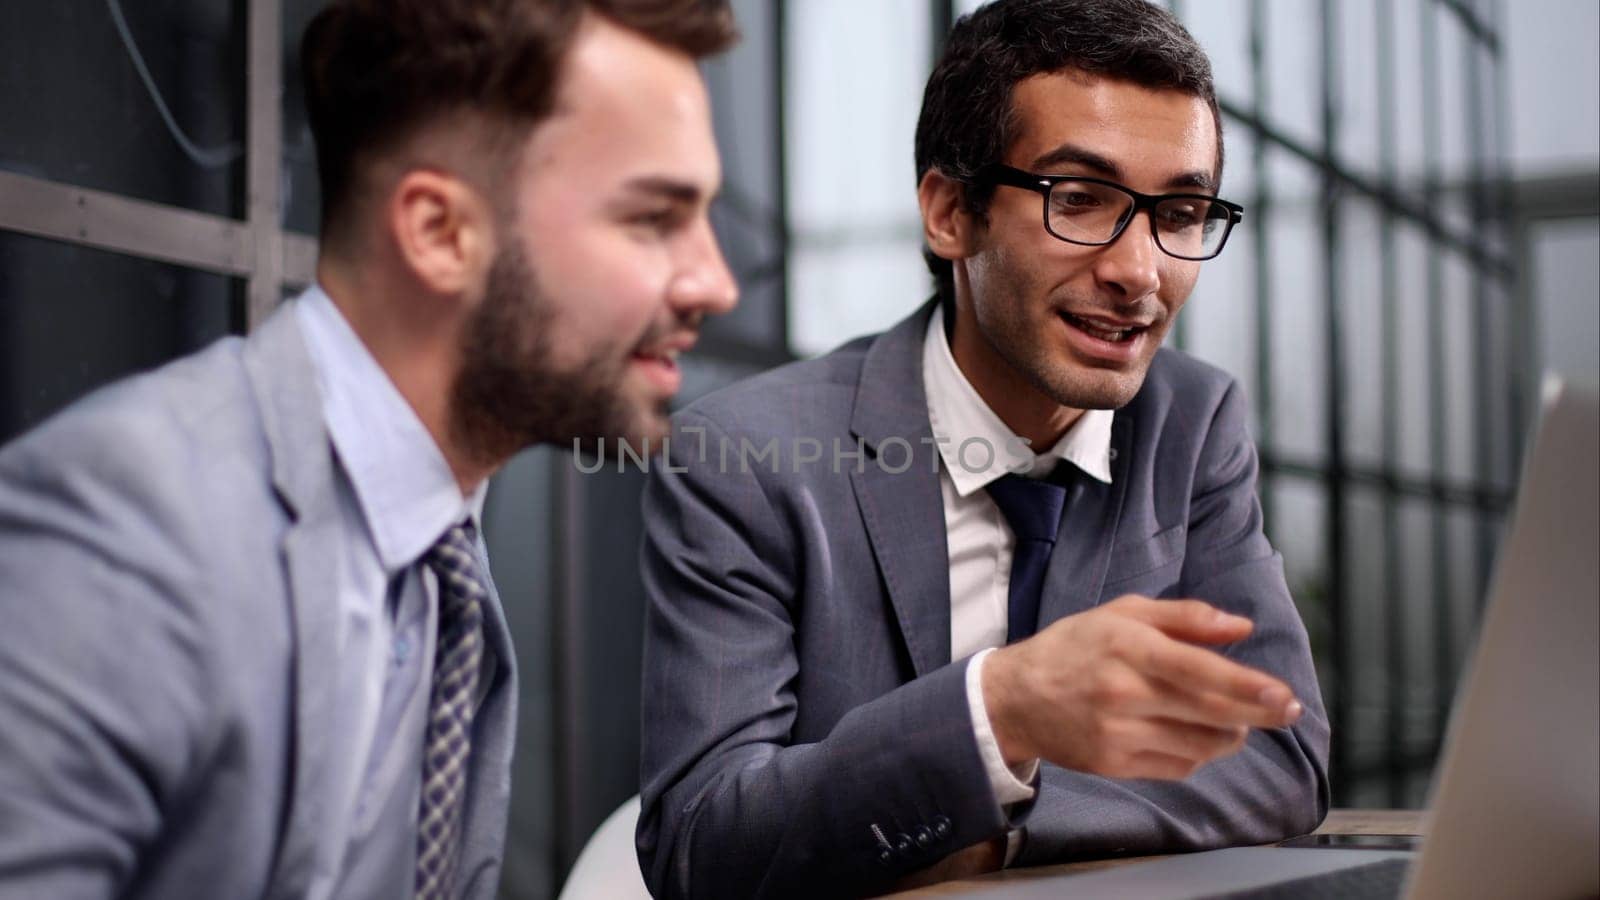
x=1011, y=785
x=1013, y=844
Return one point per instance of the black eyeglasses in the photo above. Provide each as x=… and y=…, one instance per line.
x=1094, y=212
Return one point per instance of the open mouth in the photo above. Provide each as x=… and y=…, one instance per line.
x=668, y=358
x=1103, y=331
x=660, y=366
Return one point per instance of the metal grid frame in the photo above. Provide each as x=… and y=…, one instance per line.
x=257, y=248
x=1495, y=277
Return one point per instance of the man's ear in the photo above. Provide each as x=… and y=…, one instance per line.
x=442, y=230
x=947, y=227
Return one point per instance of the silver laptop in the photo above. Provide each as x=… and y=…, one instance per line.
x=1516, y=802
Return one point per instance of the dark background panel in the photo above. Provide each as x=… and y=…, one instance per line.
x=302, y=196
x=102, y=128
x=73, y=319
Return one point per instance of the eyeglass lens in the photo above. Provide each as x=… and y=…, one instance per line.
x=1093, y=213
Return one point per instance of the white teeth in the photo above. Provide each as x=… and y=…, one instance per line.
x=1115, y=336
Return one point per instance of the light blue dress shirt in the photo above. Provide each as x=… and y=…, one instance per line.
x=397, y=496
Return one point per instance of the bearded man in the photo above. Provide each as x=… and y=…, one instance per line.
x=251, y=645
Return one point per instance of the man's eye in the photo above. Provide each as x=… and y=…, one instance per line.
x=655, y=218
x=1073, y=204
x=1183, y=217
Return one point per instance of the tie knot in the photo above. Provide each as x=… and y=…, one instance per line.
x=453, y=551
x=1031, y=506
x=454, y=560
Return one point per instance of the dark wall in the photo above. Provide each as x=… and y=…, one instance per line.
x=75, y=110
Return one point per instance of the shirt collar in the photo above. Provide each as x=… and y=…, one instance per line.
x=407, y=494
x=966, y=430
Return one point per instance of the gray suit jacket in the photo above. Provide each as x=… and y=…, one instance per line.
x=805, y=730
x=167, y=642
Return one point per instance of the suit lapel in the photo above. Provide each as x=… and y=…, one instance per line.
x=904, y=515
x=1077, y=569
x=496, y=634
x=898, y=491
x=290, y=405
x=308, y=555
x=483, y=825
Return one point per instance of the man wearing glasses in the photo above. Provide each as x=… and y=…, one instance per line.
x=1036, y=618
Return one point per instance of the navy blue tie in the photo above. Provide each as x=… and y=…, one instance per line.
x=1033, y=509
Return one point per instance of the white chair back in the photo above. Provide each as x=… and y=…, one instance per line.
x=608, y=867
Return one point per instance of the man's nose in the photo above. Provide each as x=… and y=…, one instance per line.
x=1131, y=263
x=703, y=282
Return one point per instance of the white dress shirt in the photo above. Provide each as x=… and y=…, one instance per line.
x=396, y=497
x=975, y=448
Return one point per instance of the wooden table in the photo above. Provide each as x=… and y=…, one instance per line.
x=1339, y=821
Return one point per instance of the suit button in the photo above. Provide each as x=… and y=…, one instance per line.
x=902, y=842
x=886, y=857
x=941, y=827
x=924, y=837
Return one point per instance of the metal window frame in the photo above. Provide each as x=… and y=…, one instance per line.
x=257, y=248
x=1497, y=276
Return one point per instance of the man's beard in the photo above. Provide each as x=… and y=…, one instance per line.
x=509, y=395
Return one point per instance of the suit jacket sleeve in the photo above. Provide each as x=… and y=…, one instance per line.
x=102, y=696
x=1277, y=786
x=731, y=807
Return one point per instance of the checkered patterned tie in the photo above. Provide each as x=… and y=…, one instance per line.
x=462, y=593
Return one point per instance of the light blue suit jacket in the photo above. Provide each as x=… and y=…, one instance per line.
x=167, y=644
x=806, y=732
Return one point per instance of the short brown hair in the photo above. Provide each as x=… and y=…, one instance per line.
x=376, y=71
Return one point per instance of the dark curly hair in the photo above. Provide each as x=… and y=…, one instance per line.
x=968, y=121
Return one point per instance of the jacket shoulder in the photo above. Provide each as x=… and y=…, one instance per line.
x=779, y=399
x=1176, y=374
x=1180, y=385
x=191, y=400
x=168, y=446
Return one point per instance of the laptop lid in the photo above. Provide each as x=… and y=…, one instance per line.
x=1516, y=805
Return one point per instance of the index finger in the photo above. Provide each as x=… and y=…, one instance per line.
x=1262, y=700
